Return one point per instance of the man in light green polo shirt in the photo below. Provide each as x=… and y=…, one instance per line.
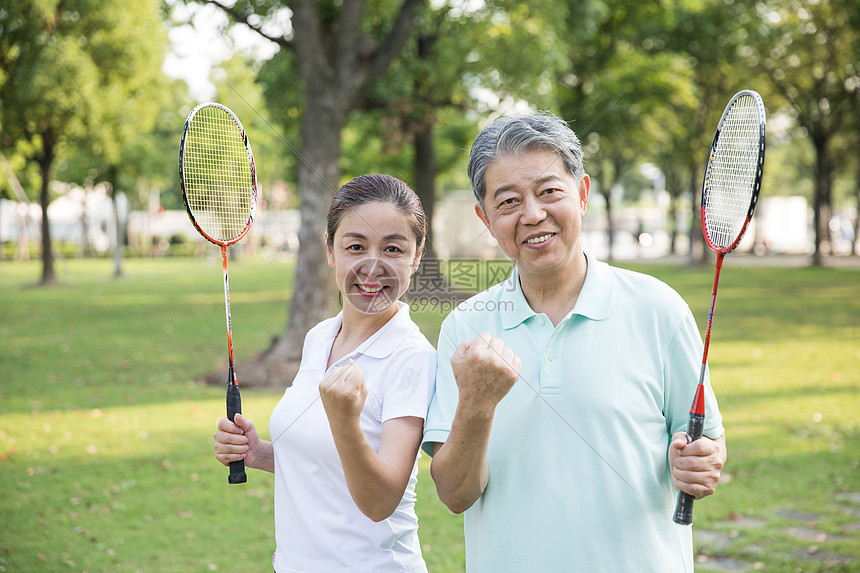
x=563, y=393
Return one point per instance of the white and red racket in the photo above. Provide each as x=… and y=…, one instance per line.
x=219, y=187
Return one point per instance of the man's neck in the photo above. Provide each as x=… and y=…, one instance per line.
x=555, y=292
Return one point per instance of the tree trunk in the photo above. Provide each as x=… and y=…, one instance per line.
x=85, y=235
x=856, y=247
x=118, y=236
x=424, y=159
x=698, y=248
x=606, y=192
x=45, y=162
x=823, y=178
x=335, y=66
x=672, y=216
x=314, y=296
x=673, y=187
x=319, y=178
x=424, y=165
x=599, y=177
x=673, y=223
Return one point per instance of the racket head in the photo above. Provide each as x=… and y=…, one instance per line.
x=734, y=171
x=217, y=174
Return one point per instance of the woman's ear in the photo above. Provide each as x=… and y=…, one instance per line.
x=329, y=254
x=419, y=253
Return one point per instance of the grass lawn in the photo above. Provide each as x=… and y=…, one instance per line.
x=105, y=432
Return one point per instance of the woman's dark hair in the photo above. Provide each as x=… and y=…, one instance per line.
x=378, y=188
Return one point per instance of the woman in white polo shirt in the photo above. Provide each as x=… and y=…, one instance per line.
x=347, y=431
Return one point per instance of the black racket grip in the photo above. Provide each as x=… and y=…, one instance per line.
x=234, y=406
x=684, y=508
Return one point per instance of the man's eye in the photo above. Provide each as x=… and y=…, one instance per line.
x=353, y=248
x=510, y=201
x=393, y=249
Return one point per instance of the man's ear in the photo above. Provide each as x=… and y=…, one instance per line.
x=479, y=211
x=584, y=188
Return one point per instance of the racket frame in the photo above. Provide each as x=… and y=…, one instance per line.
x=234, y=400
x=188, y=209
x=759, y=170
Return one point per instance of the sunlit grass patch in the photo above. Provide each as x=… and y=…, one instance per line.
x=106, y=430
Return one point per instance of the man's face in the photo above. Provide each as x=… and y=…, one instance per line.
x=533, y=207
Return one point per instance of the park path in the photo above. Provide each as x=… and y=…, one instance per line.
x=726, y=547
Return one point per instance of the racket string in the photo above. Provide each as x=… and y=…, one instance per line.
x=731, y=175
x=218, y=177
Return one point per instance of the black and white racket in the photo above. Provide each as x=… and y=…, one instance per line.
x=729, y=194
x=219, y=187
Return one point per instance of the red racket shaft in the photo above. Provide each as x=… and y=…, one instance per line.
x=696, y=425
x=234, y=400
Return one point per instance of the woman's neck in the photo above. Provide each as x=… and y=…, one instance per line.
x=356, y=328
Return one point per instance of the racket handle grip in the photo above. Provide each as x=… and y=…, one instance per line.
x=234, y=406
x=684, y=507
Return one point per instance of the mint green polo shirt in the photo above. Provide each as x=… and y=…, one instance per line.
x=578, y=454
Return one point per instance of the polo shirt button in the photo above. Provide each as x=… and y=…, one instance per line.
x=550, y=356
x=540, y=321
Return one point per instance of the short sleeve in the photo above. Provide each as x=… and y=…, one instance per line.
x=409, y=383
x=444, y=402
x=681, y=375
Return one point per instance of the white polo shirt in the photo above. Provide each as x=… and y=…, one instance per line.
x=318, y=527
x=578, y=454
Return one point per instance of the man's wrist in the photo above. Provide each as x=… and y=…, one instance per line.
x=475, y=412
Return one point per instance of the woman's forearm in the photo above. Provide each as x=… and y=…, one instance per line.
x=376, y=481
x=263, y=457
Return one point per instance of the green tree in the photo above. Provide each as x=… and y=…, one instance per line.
x=852, y=84
x=238, y=86
x=128, y=41
x=434, y=85
x=400, y=111
x=77, y=75
x=619, y=76
x=48, y=83
x=809, y=51
x=152, y=165
x=667, y=142
x=709, y=37
x=339, y=48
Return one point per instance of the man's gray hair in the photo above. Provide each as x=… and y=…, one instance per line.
x=517, y=134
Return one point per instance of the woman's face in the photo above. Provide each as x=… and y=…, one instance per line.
x=373, y=255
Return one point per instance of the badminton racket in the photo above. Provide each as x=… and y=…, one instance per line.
x=729, y=194
x=219, y=188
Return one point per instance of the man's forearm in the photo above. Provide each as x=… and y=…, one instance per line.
x=485, y=371
x=459, y=467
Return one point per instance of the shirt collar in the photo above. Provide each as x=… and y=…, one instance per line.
x=594, y=301
x=385, y=340
x=512, y=297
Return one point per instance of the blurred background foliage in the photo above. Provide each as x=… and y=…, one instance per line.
x=85, y=98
